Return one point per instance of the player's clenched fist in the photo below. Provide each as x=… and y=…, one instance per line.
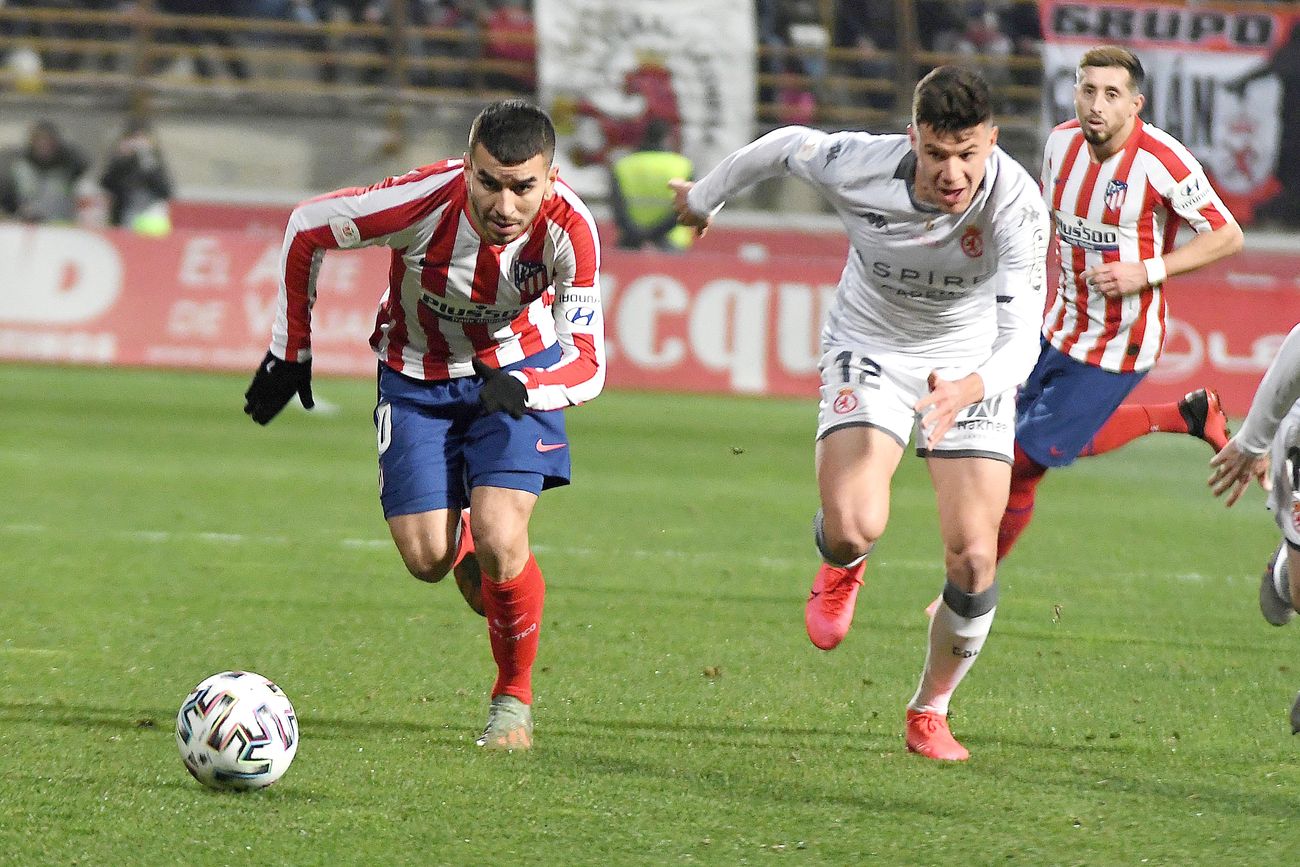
x=501, y=392
x=274, y=385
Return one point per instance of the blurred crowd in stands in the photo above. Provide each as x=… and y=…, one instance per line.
x=865, y=31
x=795, y=33
x=48, y=180
x=484, y=29
x=821, y=62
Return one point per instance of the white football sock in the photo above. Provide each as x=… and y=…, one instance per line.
x=955, y=642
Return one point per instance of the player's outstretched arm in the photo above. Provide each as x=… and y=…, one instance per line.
x=274, y=385
x=699, y=222
x=1232, y=469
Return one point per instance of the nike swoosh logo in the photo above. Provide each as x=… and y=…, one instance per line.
x=548, y=447
x=1054, y=451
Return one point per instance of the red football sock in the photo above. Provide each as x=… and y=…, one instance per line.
x=1026, y=473
x=514, y=616
x=1131, y=421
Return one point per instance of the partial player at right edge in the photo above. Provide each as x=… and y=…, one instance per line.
x=1271, y=431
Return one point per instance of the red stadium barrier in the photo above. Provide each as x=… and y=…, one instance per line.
x=707, y=321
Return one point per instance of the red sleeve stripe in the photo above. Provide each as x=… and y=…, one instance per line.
x=388, y=206
x=1213, y=216
x=574, y=370
x=299, y=285
x=580, y=227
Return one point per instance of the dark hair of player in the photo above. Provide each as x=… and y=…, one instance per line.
x=1113, y=55
x=951, y=99
x=513, y=131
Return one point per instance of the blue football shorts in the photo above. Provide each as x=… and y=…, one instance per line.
x=1064, y=403
x=436, y=443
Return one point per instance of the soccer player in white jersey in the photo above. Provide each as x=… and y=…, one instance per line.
x=1271, y=434
x=490, y=325
x=1117, y=189
x=933, y=326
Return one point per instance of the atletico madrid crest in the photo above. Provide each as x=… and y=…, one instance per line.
x=531, y=279
x=1115, y=193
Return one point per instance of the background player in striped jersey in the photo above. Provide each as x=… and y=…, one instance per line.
x=1271, y=433
x=1117, y=189
x=490, y=324
x=933, y=326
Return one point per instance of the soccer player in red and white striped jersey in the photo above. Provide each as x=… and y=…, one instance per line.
x=490, y=325
x=1117, y=189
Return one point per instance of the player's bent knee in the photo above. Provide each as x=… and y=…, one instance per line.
x=840, y=552
x=427, y=565
x=972, y=567
x=845, y=540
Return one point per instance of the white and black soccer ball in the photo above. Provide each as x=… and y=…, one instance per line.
x=237, y=730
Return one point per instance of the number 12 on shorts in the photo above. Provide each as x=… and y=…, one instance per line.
x=859, y=370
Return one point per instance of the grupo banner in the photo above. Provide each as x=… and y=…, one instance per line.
x=607, y=69
x=1211, y=82
x=739, y=323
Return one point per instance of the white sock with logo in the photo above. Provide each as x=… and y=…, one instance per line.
x=955, y=642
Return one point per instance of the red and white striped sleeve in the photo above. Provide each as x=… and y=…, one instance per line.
x=579, y=375
x=346, y=219
x=1181, y=182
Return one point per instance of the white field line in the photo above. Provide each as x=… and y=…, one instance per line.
x=789, y=564
x=157, y=537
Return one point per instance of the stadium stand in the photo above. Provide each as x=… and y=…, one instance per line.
x=328, y=90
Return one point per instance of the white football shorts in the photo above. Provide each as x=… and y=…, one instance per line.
x=1284, y=499
x=878, y=389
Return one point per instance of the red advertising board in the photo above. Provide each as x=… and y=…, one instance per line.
x=744, y=321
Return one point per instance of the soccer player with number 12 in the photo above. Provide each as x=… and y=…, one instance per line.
x=934, y=324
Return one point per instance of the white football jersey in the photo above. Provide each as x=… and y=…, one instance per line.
x=1277, y=395
x=958, y=291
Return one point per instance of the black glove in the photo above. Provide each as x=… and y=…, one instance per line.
x=274, y=385
x=501, y=392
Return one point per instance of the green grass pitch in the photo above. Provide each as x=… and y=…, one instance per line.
x=1129, y=708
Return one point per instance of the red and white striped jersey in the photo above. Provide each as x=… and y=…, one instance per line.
x=451, y=295
x=1125, y=209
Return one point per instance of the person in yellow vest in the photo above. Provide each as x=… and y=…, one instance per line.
x=641, y=199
